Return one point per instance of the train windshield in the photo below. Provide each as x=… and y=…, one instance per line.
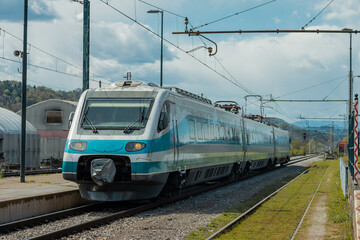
x=118, y=114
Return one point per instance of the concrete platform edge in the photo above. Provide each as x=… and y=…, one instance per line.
x=16, y=209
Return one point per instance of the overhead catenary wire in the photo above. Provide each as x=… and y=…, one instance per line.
x=30, y=80
x=303, y=89
x=337, y=86
x=317, y=15
x=300, y=90
x=232, y=15
x=172, y=13
x=172, y=44
x=162, y=9
x=53, y=56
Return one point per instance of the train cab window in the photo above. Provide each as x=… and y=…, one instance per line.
x=206, y=131
x=199, y=128
x=192, y=129
x=164, y=118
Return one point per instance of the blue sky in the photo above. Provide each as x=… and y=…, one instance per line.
x=279, y=65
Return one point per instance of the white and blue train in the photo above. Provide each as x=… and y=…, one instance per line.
x=134, y=140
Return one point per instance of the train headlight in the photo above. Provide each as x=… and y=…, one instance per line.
x=78, y=145
x=134, y=146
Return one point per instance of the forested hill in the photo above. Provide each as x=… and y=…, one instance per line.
x=10, y=95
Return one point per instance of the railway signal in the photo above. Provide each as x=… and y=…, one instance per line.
x=304, y=136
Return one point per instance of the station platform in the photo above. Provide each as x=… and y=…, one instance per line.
x=39, y=194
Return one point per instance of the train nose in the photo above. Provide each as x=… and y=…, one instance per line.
x=103, y=171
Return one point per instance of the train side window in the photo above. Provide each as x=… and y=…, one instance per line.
x=228, y=135
x=222, y=133
x=192, y=129
x=212, y=131
x=164, y=118
x=206, y=131
x=199, y=130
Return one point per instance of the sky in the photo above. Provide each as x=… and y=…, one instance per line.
x=125, y=38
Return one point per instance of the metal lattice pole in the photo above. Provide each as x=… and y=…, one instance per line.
x=356, y=140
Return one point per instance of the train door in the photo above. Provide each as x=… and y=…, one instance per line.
x=174, y=134
x=243, y=135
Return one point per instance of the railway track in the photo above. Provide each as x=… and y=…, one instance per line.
x=124, y=212
x=30, y=172
x=257, y=205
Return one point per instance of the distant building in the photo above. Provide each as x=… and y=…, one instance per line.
x=50, y=118
x=10, y=141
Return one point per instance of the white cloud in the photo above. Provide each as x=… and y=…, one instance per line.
x=277, y=20
x=295, y=13
x=345, y=11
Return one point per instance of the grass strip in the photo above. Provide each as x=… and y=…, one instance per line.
x=233, y=213
x=275, y=219
x=338, y=225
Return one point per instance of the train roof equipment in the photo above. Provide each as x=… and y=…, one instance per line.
x=257, y=118
x=188, y=94
x=130, y=83
x=230, y=106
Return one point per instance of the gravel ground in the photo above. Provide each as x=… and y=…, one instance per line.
x=173, y=221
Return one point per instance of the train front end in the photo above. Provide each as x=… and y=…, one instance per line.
x=108, y=150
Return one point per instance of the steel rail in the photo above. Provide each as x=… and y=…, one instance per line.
x=291, y=162
x=250, y=210
x=32, y=172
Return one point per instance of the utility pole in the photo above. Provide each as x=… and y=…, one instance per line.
x=86, y=45
x=23, y=100
x=162, y=43
x=350, y=77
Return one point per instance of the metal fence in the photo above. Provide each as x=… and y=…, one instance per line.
x=344, y=177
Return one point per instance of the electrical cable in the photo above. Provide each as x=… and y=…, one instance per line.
x=49, y=69
x=30, y=80
x=53, y=56
x=237, y=82
x=172, y=13
x=335, y=89
x=164, y=10
x=317, y=15
x=246, y=10
x=172, y=44
x=303, y=89
x=322, y=83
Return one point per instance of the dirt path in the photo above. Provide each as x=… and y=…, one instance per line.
x=314, y=227
x=318, y=216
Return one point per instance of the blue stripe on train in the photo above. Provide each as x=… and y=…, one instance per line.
x=136, y=167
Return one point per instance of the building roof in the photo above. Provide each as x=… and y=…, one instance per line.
x=50, y=101
x=10, y=123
